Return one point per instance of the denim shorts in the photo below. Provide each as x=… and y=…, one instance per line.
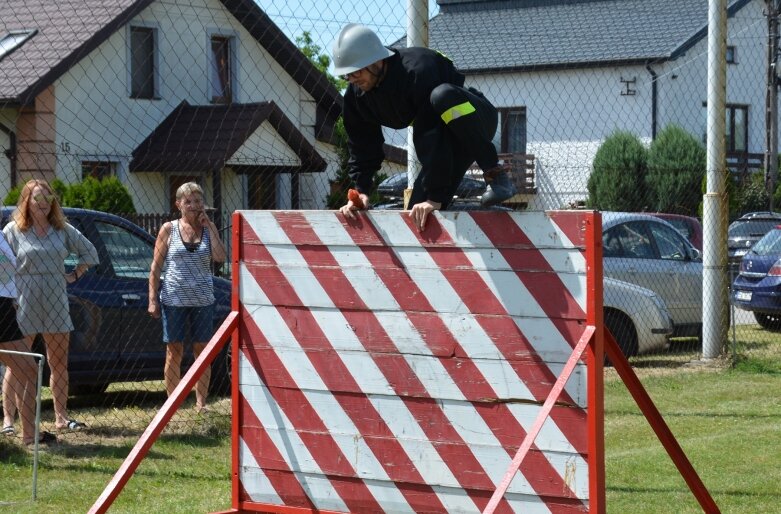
x=176, y=321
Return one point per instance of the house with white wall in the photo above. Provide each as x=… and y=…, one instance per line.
x=160, y=93
x=565, y=74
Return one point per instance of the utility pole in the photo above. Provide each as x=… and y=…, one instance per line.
x=771, y=101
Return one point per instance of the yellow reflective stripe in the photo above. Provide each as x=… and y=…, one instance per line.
x=457, y=111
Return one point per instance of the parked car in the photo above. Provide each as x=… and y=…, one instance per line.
x=395, y=185
x=114, y=338
x=745, y=231
x=690, y=227
x=649, y=252
x=757, y=288
x=636, y=316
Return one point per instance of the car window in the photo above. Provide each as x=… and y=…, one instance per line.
x=131, y=256
x=768, y=245
x=668, y=242
x=749, y=228
x=682, y=226
x=631, y=239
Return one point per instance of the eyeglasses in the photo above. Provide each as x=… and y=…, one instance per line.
x=352, y=74
x=44, y=198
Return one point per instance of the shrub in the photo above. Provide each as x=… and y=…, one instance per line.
x=107, y=195
x=676, y=166
x=12, y=197
x=618, y=177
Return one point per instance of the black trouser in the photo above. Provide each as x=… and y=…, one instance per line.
x=456, y=142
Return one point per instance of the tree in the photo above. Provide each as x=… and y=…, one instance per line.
x=618, y=175
x=321, y=61
x=676, y=166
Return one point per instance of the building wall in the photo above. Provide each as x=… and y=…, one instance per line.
x=8, y=120
x=568, y=115
x=97, y=120
x=571, y=112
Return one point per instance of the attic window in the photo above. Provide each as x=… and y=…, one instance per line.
x=13, y=40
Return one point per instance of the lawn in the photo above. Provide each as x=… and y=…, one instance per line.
x=726, y=417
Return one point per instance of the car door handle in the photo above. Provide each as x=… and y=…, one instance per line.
x=131, y=297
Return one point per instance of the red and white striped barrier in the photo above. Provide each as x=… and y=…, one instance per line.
x=382, y=369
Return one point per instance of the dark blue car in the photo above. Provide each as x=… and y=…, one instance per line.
x=758, y=286
x=115, y=339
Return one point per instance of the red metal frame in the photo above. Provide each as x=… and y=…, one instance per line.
x=656, y=421
x=594, y=365
x=236, y=239
x=165, y=414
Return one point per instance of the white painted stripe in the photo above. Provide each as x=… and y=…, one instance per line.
x=366, y=374
x=356, y=255
x=504, y=380
x=253, y=479
x=294, y=451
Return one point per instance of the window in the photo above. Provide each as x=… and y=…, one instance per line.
x=13, y=40
x=221, y=70
x=142, y=62
x=98, y=169
x=731, y=55
x=668, y=242
x=628, y=240
x=513, y=133
x=737, y=132
x=130, y=255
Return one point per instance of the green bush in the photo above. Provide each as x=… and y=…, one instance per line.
x=676, y=166
x=618, y=177
x=107, y=195
x=12, y=197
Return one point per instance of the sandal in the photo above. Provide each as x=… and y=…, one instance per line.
x=73, y=425
x=44, y=438
x=8, y=430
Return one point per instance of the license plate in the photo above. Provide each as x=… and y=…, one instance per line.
x=743, y=296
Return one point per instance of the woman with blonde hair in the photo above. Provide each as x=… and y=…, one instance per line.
x=186, y=247
x=41, y=239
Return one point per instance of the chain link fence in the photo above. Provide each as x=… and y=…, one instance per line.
x=603, y=103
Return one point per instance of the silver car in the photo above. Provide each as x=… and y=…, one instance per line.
x=636, y=316
x=651, y=253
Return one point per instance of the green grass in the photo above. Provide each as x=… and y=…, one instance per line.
x=727, y=418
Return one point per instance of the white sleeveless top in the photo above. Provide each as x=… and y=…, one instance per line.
x=188, y=277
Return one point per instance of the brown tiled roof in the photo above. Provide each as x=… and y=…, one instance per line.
x=68, y=30
x=204, y=138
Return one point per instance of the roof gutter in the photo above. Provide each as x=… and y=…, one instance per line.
x=654, y=99
x=10, y=152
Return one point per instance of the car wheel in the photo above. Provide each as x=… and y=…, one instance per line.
x=220, y=384
x=768, y=321
x=623, y=331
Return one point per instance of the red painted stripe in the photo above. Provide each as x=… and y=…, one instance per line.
x=507, y=430
x=311, y=428
x=572, y=224
x=286, y=485
x=503, y=331
x=393, y=366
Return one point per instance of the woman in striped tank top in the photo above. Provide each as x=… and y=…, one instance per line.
x=185, y=247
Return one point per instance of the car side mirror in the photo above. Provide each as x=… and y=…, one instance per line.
x=696, y=255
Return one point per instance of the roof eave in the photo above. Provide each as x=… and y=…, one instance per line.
x=640, y=61
x=28, y=95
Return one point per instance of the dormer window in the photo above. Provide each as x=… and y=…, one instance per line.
x=221, y=70
x=143, y=62
x=13, y=40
